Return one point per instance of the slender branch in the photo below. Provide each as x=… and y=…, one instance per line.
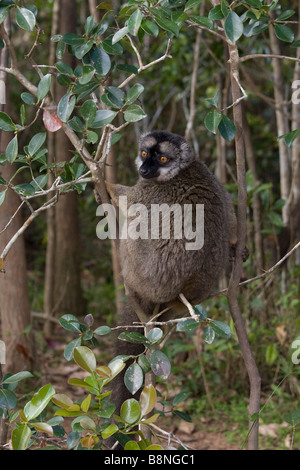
x=211, y=31
x=268, y=56
x=233, y=287
x=27, y=222
x=145, y=67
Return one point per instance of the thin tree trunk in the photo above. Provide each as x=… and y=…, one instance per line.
x=233, y=288
x=282, y=125
x=50, y=214
x=258, y=240
x=68, y=293
x=14, y=299
x=294, y=199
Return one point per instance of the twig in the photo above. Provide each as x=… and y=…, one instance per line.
x=268, y=56
x=12, y=218
x=170, y=435
x=145, y=67
x=187, y=304
x=211, y=31
x=27, y=222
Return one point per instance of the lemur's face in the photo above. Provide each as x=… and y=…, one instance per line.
x=162, y=155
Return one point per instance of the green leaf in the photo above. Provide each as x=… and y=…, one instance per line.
x=134, y=22
x=284, y=33
x=292, y=418
x=70, y=322
x=130, y=411
x=183, y=415
x=6, y=123
x=88, y=111
x=17, y=377
x=275, y=218
x=3, y=13
x=120, y=34
x=43, y=427
x=73, y=439
x=134, y=378
x=102, y=330
x=150, y=28
x=72, y=39
x=69, y=349
x=187, y=325
x=144, y=363
x=155, y=335
x=115, y=95
x=216, y=13
x=160, y=364
x=134, y=113
x=116, y=366
x=200, y=310
x=8, y=399
x=290, y=137
x=132, y=445
x=191, y=3
x=271, y=354
x=233, y=26
x=62, y=67
x=76, y=124
x=285, y=15
x=39, y=401
x=36, y=142
x=254, y=27
x=2, y=196
x=167, y=25
x=221, y=329
x=28, y=98
x=85, y=358
x=66, y=106
x=212, y=120
x=62, y=400
x=134, y=93
x=103, y=117
x=203, y=21
x=227, y=128
x=43, y=87
x=20, y=437
x=25, y=19
x=254, y=3
x=86, y=403
x=83, y=49
x=12, y=150
x=209, y=335
x=98, y=59
x=110, y=48
x=180, y=398
x=89, y=24
x=109, y=431
x=147, y=399
x=132, y=337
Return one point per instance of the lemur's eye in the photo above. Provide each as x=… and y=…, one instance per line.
x=163, y=159
x=144, y=154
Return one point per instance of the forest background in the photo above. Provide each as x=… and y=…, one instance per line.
x=224, y=75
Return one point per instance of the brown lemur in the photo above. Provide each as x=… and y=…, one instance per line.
x=157, y=269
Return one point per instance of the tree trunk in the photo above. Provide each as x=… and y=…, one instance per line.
x=282, y=125
x=294, y=200
x=49, y=301
x=14, y=300
x=67, y=290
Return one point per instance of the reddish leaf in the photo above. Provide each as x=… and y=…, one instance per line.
x=51, y=120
